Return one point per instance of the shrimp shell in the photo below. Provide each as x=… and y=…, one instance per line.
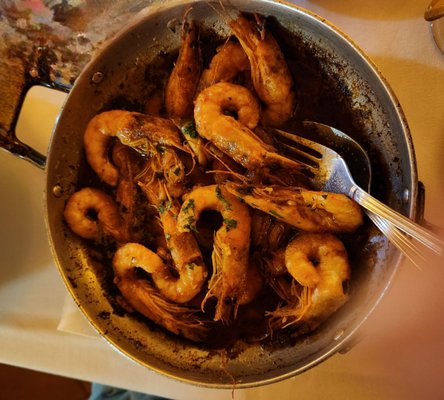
x=231, y=244
x=319, y=263
x=307, y=210
x=271, y=76
x=182, y=84
x=108, y=221
x=147, y=300
x=234, y=136
x=140, y=131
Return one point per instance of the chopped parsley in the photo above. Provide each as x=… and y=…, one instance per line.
x=190, y=130
x=222, y=199
x=191, y=226
x=230, y=223
x=189, y=206
x=276, y=214
x=191, y=266
x=165, y=206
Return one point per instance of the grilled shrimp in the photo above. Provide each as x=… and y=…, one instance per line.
x=234, y=136
x=146, y=299
x=231, y=244
x=229, y=61
x=186, y=255
x=189, y=267
x=319, y=263
x=129, y=164
x=140, y=131
x=272, y=79
x=182, y=84
x=92, y=214
x=181, y=247
x=307, y=210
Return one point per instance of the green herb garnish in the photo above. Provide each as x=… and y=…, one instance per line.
x=165, y=206
x=222, y=199
x=190, y=130
x=189, y=206
x=276, y=214
x=230, y=223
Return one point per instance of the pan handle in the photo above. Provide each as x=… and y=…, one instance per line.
x=22, y=78
x=9, y=142
x=8, y=137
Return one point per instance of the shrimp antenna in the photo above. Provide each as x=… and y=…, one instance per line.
x=235, y=174
x=143, y=173
x=229, y=169
x=224, y=15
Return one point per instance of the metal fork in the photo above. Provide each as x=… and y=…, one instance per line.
x=328, y=171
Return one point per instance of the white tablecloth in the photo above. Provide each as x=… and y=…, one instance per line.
x=402, y=354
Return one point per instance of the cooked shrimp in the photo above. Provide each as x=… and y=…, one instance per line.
x=229, y=61
x=319, y=263
x=182, y=84
x=186, y=256
x=140, y=131
x=234, y=136
x=231, y=244
x=306, y=210
x=271, y=76
x=92, y=214
x=147, y=300
x=129, y=165
x=189, y=266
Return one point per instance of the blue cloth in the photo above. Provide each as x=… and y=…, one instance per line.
x=102, y=392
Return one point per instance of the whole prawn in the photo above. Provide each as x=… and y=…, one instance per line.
x=190, y=271
x=231, y=244
x=92, y=214
x=319, y=263
x=146, y=299
x=271, y=76
x=144, y=133
x=129, y=164
x=307, y=210
x=234, y=136
x=183, y=81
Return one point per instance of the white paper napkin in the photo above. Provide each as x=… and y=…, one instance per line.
x=73, y=321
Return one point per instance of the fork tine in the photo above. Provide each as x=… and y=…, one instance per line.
x=308, y=152
x=302, y=157
x=316, y=148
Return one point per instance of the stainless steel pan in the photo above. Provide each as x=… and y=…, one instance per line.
x=337, y=84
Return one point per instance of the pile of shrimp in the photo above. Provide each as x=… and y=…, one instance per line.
x=204, y=215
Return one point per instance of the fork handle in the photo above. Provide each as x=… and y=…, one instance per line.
x=416, y=231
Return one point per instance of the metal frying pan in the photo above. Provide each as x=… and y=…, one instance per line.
x=336, y=84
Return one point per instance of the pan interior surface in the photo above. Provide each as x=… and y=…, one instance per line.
x=336, y=85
